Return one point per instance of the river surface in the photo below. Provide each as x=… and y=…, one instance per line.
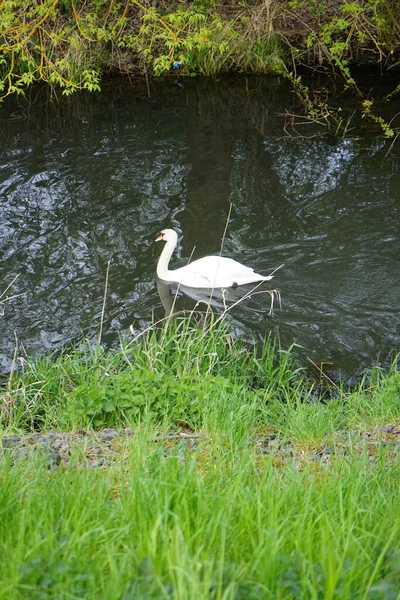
x=95, y=178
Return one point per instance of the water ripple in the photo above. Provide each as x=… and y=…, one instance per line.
x=96, y=181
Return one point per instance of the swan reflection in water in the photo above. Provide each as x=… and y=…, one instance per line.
x=222, y=299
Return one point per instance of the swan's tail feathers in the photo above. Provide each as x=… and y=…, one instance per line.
x=267, y=278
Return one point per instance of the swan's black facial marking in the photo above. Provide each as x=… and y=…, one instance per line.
x=160, y=237
x=235, y=285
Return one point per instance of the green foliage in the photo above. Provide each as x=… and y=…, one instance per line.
x=366, y=22
x=200, y=39
x=388, y=131
x=176, y=374
x=68, y=45
x=133, y=395
x=336, y=35
x=48, y=42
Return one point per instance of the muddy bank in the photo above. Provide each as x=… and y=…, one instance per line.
x=110, y=446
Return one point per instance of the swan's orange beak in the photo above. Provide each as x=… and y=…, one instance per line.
x=159, y=238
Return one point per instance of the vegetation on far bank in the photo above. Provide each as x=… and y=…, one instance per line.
x=70, y=44
x=223, y=518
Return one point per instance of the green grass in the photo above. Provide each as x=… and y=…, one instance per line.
x=221, y=520
x=210, y=523
x=188, y=374
x=181, y=373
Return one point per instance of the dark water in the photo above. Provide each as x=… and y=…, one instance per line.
x=95, y=178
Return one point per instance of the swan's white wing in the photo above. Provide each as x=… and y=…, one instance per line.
x=193, y=275
x=216, y=271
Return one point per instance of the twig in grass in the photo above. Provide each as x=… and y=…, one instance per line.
x=104, y=304
x=124, y=352
x=252, y=292
x=14, y=361
x=322, y=373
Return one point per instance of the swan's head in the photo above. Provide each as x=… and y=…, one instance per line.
x=167, y=235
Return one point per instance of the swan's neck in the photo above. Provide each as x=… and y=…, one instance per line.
x=162, y=266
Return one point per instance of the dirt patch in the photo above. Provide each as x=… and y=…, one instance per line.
x=103, y=448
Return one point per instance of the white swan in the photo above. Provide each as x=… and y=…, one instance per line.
x=207, y=272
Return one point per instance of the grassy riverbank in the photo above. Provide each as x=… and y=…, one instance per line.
x=270, y=491
x=219, y=521
x=192, y=374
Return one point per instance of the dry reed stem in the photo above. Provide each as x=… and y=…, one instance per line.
x=104, y=303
